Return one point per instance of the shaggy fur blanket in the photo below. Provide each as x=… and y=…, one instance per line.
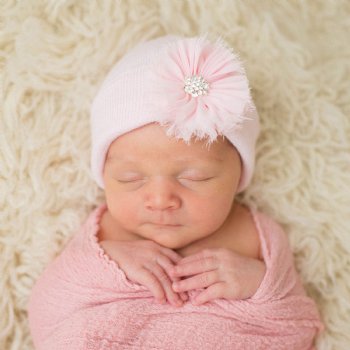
x=55, y=53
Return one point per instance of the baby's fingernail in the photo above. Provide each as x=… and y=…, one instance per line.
x=184, y=297
x=178, y=302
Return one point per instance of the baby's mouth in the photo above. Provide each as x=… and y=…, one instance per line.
x=165, y=225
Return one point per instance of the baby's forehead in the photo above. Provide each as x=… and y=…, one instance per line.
x=173, y=150
x=204, y=157
x=151, y=144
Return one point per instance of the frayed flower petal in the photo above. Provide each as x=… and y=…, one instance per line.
x=224, y=106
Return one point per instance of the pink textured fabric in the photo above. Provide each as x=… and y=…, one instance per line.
x=84, y=300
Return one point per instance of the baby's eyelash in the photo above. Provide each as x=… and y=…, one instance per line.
x=181, y=178
x=127, y=181
x=206, y=179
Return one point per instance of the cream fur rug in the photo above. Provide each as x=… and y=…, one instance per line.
x=54, y=54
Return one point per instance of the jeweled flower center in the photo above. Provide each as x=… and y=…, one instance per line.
x=196, y=85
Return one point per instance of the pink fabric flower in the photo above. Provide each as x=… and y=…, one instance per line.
x=219, y=111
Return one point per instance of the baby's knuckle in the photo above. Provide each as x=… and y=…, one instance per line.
x=206, y=278
x=207, y=263
x=177, y=269
x=158, y=259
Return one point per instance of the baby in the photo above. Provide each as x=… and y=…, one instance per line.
x=172, y=260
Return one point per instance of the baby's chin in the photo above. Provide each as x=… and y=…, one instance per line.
x=171, y=243
x=169, y=237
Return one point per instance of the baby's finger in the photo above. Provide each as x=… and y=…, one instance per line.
x=184, y=296
x=167, y=268
x=165, y=281
x=172, y=255
x=210, y=293
x=203, y=280
x=195, y=267
x=149, y=279
x=168, y=265
x=206, y=253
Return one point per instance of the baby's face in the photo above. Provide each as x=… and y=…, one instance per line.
x=165, y=190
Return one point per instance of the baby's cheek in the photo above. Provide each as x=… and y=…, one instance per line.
x=127, y=214
x=121, y=209
x=211, y=214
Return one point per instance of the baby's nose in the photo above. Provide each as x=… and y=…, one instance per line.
x=162, y=194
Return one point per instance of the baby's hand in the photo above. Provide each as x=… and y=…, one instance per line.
x=224, y=274
x=146, y=262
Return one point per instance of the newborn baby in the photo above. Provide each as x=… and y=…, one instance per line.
x=172, y=260
x=182, y=198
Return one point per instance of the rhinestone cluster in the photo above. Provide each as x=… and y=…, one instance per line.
x=196, y=85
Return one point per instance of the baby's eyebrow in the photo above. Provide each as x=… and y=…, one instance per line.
x=181, y=159
x=189, y=159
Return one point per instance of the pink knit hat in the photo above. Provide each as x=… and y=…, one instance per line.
x=191, y=86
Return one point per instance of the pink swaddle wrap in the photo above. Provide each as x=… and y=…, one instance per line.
x=84, y=300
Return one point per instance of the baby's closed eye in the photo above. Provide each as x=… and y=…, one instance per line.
x=195, y=175
x=129, y=177
x=195, y=178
